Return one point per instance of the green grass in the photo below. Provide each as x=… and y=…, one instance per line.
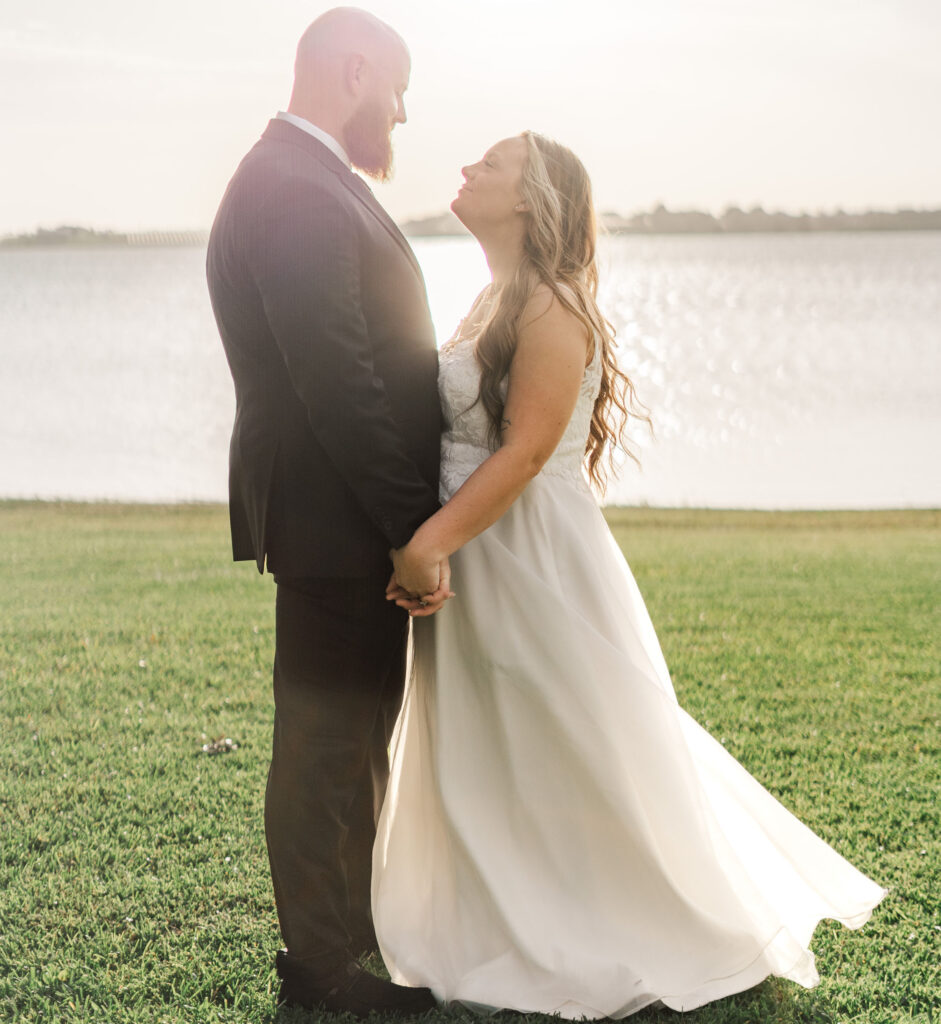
x=133, y=877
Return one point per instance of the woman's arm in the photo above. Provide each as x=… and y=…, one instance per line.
x=544, y=381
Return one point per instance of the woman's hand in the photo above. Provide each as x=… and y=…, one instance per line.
x=414, y=601
x=416, y=570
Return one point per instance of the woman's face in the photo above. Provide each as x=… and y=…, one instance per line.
x=491, y=190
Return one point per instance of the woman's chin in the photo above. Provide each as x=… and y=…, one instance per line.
x=456, y=205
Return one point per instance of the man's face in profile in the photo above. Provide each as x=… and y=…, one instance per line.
x=368, y=133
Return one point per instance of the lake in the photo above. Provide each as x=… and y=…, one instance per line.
x=781, y=371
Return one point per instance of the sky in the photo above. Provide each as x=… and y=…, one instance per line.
x=132, y=115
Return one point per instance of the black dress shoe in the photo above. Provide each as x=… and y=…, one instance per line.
x=347, y=989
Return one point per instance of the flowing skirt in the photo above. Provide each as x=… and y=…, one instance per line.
x=559, y=836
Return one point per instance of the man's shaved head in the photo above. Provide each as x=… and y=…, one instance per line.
x=341, y=32
x=349, y=78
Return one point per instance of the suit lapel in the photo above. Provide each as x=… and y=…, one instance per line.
x=364, y=194
x=284, y=131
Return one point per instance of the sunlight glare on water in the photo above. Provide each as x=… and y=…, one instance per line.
x=780, y=370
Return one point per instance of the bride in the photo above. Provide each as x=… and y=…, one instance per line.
x=559, y=836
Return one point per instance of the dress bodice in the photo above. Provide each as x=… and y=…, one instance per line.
x=465, y=442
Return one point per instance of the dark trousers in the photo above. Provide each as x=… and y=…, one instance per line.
x=339, y=672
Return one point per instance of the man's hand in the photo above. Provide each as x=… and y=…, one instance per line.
x=416, y=571
x=422, y=605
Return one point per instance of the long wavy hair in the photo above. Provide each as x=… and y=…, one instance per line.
x=558, y=252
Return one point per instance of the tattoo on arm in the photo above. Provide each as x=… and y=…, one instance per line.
x=504, y=423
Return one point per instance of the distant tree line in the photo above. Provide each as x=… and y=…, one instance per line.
x=68, y=235
x=733, y=220
x=659, y=220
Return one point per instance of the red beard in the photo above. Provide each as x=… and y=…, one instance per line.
x=368, y=139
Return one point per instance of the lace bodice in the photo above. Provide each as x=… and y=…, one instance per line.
x=464, y=444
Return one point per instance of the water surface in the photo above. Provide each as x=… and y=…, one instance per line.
x=788, y=371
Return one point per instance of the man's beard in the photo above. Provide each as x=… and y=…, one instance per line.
x=369, y=141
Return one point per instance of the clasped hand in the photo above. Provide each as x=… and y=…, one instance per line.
x=420, y=583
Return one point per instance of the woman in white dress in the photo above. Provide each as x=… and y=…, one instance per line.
x=559, y=835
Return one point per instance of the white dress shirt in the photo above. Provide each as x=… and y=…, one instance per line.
x=318, y=133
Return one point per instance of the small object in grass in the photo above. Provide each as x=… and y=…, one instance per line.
x=223, y=745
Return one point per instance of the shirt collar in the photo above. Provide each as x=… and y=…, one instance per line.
x=318, y=133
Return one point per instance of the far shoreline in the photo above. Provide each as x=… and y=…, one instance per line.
x=639, y=516
x=657, y=222
x=8, y=246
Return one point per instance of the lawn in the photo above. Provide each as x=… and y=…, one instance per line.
x=133, y=877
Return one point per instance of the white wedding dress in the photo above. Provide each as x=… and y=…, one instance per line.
x=559, y=835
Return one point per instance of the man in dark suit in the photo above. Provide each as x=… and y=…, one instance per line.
x=333, y=462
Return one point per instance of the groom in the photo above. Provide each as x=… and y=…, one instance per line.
x=333, y=462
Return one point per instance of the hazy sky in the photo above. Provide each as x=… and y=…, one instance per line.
x=127, y=114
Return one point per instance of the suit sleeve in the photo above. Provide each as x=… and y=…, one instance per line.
x=305, y=263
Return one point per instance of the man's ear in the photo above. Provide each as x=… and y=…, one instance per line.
x=356, y=72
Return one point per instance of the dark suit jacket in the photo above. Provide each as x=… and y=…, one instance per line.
x=322, y=311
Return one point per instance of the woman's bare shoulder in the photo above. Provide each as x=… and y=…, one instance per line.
x=545, y=313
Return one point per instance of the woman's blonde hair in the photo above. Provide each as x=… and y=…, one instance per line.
x=558, y=252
